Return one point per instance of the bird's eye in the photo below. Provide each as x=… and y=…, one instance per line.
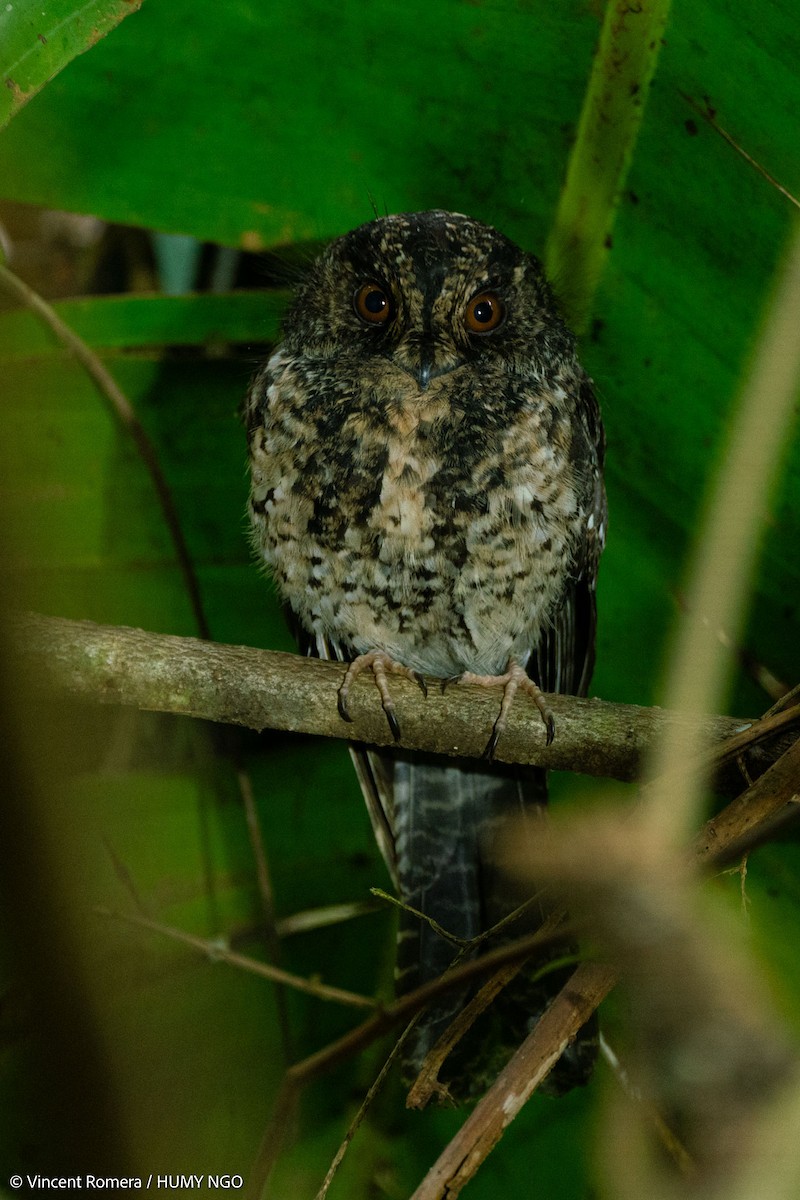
x=373, y=304
x=484, y=313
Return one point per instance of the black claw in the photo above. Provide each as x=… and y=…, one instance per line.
x=394, y=724
x=551, y=730
x=420, y=680
x=450, y=679
x=341, y=704
x=491, y=745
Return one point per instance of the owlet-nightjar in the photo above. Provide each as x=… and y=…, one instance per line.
x=427, y=491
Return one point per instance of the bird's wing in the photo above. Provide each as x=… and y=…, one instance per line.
x=563, y=660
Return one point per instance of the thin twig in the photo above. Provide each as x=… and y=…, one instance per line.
x=123, y=874
x=266, y=895
x=742, y=823
x=517, y=1082
x=668, y=1138
x=272, y=1140
x=787, y=700
x=319, y=918
x=363, y=1109
x=427, y=1085
x=125, y=413
x=746, y=739
x=263, y=877
x=218, y=952
x=774, y=687
x=708, y=114
x=421, y=916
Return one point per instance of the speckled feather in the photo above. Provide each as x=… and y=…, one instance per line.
x=436, y=494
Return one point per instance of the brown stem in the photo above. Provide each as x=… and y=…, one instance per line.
x=708, y=114
x=127, y=417
x=221, y=953
x=267, y=896
x=517, y=1082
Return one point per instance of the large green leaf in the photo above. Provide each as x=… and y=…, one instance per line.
x=37, y=41
x=301, y=114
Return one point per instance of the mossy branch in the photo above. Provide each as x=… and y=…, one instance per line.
x=260, y=689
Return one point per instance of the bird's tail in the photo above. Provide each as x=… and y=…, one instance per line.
x=447, y=821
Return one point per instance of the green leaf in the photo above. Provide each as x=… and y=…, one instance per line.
x=613, y=107
x=136, y=321
x=284, y=121
x=37, y=41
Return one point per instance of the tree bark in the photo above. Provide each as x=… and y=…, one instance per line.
x=261, y=689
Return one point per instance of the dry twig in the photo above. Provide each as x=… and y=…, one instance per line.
x=219, y=952
x=708, y=113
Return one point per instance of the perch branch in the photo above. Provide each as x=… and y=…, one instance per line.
x=261, y=689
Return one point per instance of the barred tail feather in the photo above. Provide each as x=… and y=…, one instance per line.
x=446, y=820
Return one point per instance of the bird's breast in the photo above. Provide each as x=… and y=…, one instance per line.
x=402, y=527
x=403, y=517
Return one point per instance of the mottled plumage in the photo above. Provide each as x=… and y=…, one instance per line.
x=426, y=457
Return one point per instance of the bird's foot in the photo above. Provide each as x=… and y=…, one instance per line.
x=381, y=666
x=514, y=679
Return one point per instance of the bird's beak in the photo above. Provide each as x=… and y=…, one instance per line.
x=423, y=372
x=426, y=370
x=419, y=360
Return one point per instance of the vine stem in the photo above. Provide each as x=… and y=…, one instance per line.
x=126, y=415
